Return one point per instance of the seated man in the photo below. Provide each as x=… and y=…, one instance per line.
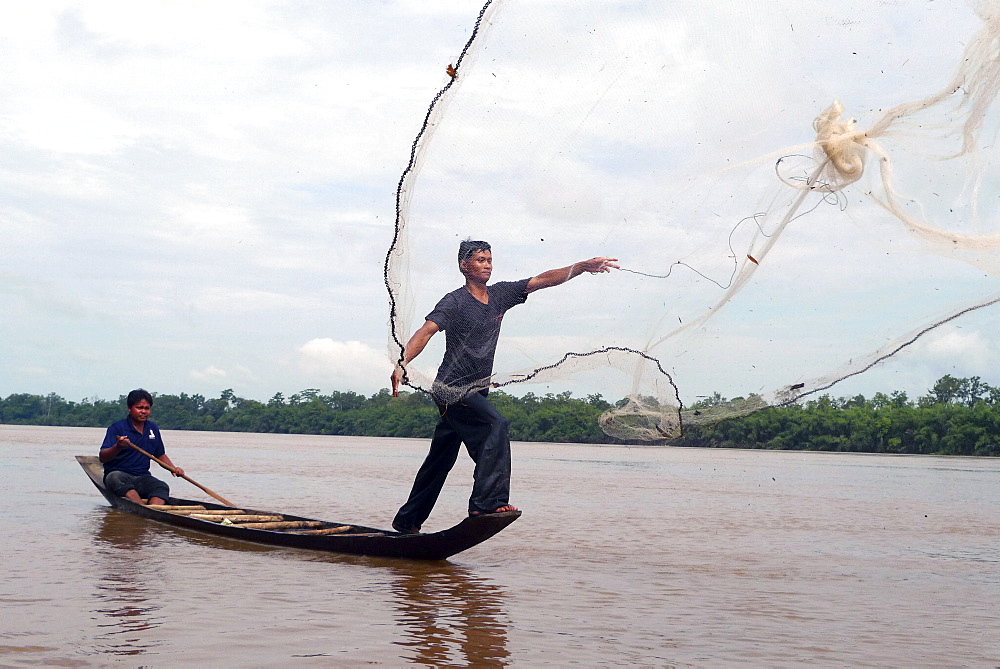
x=126, y=470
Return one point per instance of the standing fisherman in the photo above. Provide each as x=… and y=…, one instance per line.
x=471, y=318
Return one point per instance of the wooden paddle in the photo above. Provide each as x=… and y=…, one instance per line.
x=173, y=470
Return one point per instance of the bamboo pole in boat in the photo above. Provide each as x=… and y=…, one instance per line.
x=243, y=518
x=173, y=470
x=326, y=530
x=283, y=525
x=190, y=511
x=179, y=508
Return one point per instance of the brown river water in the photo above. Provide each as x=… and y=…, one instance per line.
x=624, y=556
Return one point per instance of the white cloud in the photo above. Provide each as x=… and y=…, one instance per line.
x=348, y=365
x=210, y=374
x=212, y=378
x=960, y=352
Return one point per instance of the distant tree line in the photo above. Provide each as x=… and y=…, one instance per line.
x=558, y=418
x=956, y=417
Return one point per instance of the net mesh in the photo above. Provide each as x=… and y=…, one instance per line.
x=772, y=243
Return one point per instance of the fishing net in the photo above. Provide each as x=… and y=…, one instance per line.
x=797, y=197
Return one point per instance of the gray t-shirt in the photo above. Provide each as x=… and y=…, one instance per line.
x=471, y=332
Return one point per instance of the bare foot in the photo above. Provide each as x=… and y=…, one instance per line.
x=405, y=529
x=503, y=509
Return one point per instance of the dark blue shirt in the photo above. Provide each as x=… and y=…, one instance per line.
x=472, y=330
x=130, y=460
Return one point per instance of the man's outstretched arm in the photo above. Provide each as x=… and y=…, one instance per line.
x=413, y=348
x=554, y=277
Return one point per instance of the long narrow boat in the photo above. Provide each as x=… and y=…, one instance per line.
x=282, y=529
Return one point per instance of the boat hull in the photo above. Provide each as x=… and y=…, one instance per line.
x=356, y=540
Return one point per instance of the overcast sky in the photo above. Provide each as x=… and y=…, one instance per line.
x=199, y=196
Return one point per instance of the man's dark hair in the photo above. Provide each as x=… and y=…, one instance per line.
x=137, y=396
x=468, y=248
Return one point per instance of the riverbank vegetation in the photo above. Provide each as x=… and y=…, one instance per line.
x=956, y=417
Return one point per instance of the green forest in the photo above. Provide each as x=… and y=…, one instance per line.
x=957, y=416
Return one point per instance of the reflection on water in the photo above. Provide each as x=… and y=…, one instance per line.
x=450, y=617
x=128, y=528
x=445, y=614
x=127, y=587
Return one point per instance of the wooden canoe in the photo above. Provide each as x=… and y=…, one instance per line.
x=281, y=529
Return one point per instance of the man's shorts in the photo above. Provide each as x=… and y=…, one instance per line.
x=146, y=486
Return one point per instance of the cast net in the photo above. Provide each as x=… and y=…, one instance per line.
x=798, y=198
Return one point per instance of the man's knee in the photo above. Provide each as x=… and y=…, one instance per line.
x=119, y=482
x=154, y=487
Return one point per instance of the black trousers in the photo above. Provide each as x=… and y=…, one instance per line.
x=486, y=434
